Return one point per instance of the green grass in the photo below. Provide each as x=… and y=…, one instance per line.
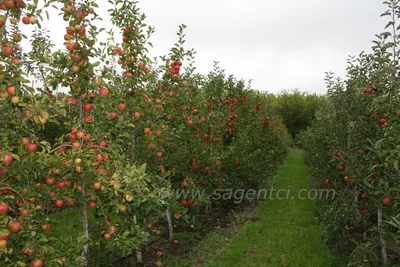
x=287, y=235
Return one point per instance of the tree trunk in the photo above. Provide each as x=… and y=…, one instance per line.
x=139, y=256
x=85, y=225
x=382, y=239
x=170, y=228
x=85, y=222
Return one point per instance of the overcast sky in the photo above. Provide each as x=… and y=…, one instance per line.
x=278, y=44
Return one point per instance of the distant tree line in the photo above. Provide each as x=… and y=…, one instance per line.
x=296, y=108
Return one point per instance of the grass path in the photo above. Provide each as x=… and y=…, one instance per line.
x=287, y=235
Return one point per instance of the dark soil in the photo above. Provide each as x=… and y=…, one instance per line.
x=218, y=217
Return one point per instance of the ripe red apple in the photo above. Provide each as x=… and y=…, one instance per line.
x=184, y=202
x=113, y=114
x=25, y=141
x=80, y=135
x=340, y=168
x=71, y=46
x=103, y=91
x=8, y=159
x=25, y=20
x=190, y=122
x=50, y=181
x=158, y=264
x=8, y=50
x=386, y=200
x=11, y=90
x=32, y=147
x=136, y=115
x=88, y=119
x=3, y=208
x=75, y=68
x=122, y=106
x=28, y=251
x=363, y=196
x=46, y=227
x=107, y=236
x=16, y=37
x=70, y=202
x=88, y=107
x=184, y=183
x=97, y=185
x=76, y=145
x=363, y=211
x=73, y=136
x=59, y=203
x=23, y=213
x=159, y=154
x=6, y=235
x=112, y=229
x=92, y=205
x=61, y=149
x=87, y=137
x=15, y=226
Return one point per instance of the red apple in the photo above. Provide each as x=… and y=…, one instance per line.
x=386, y=200
x=103, y=91
x=25, y=141
x=88, y=107
x=11, y=90
x=3, y=208
x=32, y=147
x=8, y=50
x=59, y=203
x=122, y=106
x=46, y=227
x=8, y=159
x=6, y=235
x=15, y=226
x=113, y=114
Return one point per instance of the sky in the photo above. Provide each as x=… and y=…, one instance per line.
x=277, y=44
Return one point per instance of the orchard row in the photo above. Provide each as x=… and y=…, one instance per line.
x=353, y=148
x=124, y=132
